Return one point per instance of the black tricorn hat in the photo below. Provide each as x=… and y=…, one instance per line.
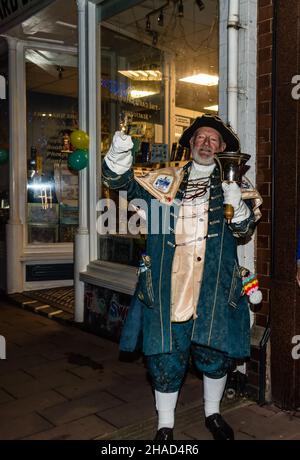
x=212, y=121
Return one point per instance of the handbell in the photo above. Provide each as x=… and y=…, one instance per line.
x=232, y=165
x=125, y=122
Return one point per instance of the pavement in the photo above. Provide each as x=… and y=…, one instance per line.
x=59, y=382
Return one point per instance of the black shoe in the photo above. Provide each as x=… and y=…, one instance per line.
x=164, y=434
x=220, y=430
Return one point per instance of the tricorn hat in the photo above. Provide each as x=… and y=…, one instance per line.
x=212, y=121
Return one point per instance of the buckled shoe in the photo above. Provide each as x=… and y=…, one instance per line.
x=220, y=430
x=164, y=434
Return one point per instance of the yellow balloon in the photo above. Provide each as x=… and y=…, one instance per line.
x=80, y=139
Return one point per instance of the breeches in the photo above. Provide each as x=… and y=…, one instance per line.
x=167, y=370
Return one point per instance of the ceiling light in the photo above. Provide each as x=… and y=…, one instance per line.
x=213, y=108
x=133, y=74
x=135, y=94
x=148, y=23
x=66, y=24
x=201, y=79
x=142, y=75
x=160, y=19
x=50, y=40
x=154, y=38
x=200, y=4
x=180, y=9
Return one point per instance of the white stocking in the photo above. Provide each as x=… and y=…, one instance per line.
x=213, y=392
x=165, y=405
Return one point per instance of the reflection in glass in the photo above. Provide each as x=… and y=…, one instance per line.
x=52, y=114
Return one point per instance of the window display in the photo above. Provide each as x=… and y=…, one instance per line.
x=52, y=114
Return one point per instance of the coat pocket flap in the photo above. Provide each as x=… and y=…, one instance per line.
x=236, y=287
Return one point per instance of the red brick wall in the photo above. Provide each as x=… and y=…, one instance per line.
x=264, y=151
x=264, y=174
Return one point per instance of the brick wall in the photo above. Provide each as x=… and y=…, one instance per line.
x=264, y=151
x=264, y=173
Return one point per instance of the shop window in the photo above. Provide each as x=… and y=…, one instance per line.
x=159, y=71
x=4, y=160
x=52, y=114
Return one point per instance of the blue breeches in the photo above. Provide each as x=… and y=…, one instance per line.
x=167, y=370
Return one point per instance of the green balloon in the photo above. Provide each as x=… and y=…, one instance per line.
x=78, y=159
x=3, y=156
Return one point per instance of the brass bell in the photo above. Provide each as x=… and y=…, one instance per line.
x=231, y=166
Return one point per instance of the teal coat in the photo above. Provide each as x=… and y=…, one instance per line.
x=223, y=313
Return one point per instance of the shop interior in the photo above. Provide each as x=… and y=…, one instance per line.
x=159, y=71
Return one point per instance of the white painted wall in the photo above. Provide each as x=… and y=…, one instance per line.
x=246, y=119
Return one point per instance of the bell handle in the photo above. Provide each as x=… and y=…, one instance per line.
x=228, y=209
x=219, y=163
x=228, y=212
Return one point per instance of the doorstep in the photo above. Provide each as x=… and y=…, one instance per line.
x=42, y=308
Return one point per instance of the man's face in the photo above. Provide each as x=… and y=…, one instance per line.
x=205, y=143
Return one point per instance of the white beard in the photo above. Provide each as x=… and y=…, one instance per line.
x=201, y=161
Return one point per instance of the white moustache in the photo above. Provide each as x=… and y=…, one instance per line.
x=205, y=150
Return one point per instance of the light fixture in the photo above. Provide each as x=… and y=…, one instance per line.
x=160, y=19
x=213, y=108
x=66, y=24
x=200, y=4
x=148, y=23
x=142, y=75
x=201, y=79
x=48, y=40
x=60, y=71
x=136, y=94
x=154, y=38
x=180, y=9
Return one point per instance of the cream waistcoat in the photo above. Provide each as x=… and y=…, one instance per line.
x=188, y=262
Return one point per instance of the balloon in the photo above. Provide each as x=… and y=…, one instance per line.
x=80, y=139
x=78, y=160
x=3, y=156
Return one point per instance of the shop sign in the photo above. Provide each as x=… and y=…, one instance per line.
x=182, y=121
x=13, y=12
x=120, y=93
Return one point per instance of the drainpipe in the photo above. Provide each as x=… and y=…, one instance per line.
x=233, y=39
x=17, y=140
x=81, y=254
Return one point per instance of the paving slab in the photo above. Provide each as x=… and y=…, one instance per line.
x=261, y=427
x=84, y=429
x=23, y=426
x=129, y=393
x=73, y=410
x=5, y=397
x=6, y=380
x=129, y=414
x=36, y=402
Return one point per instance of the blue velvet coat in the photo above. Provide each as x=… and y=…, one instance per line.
x=223, y=313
